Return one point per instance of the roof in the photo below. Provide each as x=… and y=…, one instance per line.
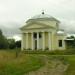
x=60, y=32
x=42, y=16
x=69, y=39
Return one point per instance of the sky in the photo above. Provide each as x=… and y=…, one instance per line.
x=14, y=14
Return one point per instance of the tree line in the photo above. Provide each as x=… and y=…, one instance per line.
x=8, y=43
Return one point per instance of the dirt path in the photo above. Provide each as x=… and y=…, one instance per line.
x=52, y=67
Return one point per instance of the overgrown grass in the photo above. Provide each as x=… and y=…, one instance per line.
x=31, y=60
x=66, y=59
x=71, y=68
x=10, y=65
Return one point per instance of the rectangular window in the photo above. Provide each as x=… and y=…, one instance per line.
x=35, y=35
x=60, y=43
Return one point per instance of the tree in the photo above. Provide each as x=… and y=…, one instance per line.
x=72, y=37
x=11, y=43
x=3, y=41
x=18, y=44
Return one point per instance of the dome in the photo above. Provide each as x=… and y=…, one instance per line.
x=41, y=16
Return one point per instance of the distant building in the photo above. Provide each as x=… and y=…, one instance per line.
x=42, y=32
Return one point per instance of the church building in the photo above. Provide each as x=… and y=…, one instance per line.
x=42, y=32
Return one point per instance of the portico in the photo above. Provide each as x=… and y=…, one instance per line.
x=37, y=40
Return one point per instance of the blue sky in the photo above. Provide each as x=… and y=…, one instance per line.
x=14, y=13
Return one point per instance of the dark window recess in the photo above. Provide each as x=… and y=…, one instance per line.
x=60, y=43
x=35, y=35
x=39, y=35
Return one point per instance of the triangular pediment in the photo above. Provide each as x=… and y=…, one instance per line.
x=35, y=25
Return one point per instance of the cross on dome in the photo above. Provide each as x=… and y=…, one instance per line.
x=43, y=12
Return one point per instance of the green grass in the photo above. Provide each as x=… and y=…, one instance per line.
x=53, y=52
x=10, y=65
x=30, y=61
x=66, y=59
x=71, y=68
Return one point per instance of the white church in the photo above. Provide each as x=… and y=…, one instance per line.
x=41, y=32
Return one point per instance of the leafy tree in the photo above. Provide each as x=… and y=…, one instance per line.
x=11, y=43
x=72, y=37
x=18, y=44
x=3, y=41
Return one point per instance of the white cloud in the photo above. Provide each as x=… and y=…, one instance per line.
x=14, y=13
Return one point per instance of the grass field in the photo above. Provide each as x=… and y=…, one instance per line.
x=71, y=68
x=12, y=65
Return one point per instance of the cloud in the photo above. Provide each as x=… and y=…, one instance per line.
x=68, y=26
x=14, y=13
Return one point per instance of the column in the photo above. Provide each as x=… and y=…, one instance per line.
x=26, y=40
x=43, y=40
x=32, y=41
x=22, y=44
x=49, y=41
x=37, y=40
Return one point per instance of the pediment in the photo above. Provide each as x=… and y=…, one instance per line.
x=35, y=25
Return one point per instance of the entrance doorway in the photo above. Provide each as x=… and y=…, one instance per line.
x=35, y=39
x=35, y=44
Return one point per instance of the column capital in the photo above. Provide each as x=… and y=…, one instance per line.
x=26, y=32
